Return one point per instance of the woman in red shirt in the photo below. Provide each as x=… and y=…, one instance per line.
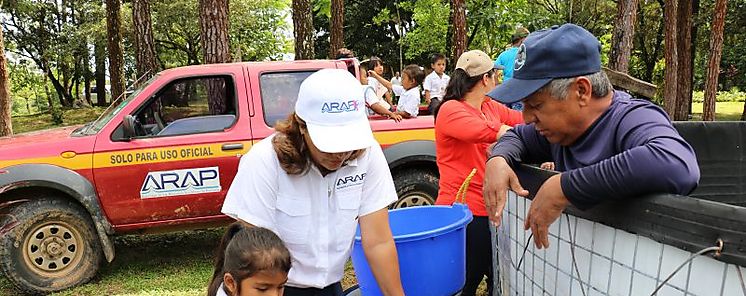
x=466, y=123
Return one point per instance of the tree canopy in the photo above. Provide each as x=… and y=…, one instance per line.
x=53, y=45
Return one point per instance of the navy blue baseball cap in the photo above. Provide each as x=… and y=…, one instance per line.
x=558, y=52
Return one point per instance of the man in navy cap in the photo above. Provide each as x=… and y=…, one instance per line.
x=605, y=144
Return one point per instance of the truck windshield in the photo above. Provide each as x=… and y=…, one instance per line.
x=116, y=107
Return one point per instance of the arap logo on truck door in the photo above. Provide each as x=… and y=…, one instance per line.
x=181, y=182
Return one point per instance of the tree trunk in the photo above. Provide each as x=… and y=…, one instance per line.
x=695, y=29
x=86, y=64
x=6, y=102
x=303, y=29
x=61, y=93
x=713, y=65
x=458, y=8
x=449, y=38
x=336, y=40
x=684, y=47
x=214, y=26
x=116, y=58
x=100, y=57
x=671, y=56
x=144, y=45
x=624, y=31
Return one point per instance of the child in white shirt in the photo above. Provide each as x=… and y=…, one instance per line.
x=435, y=84
x=408, y=92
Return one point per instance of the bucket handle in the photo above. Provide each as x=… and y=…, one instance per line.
x=464, y=186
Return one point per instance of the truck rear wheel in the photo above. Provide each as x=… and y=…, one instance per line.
x=51, y=246
x=415, y=187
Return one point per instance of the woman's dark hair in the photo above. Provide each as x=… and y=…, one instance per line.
x=460, y=84
x=374, y=62
x=436, y=57
x=291, y=148
x=244, y=251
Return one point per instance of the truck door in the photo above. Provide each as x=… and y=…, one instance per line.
x=181, y=160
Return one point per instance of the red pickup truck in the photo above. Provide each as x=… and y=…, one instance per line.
x=162, y=158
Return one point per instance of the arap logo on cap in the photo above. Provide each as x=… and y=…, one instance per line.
x=520, y=58
x=339, y=107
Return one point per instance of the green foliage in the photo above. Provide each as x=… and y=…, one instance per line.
x=256, y=31
x=368, y=31
x=27, y=89
x=732, y=95
x=322, y=8
x=429, y=36
x=257, y=28
x=176, y=32
x=57, y=116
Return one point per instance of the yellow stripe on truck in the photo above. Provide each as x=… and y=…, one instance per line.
x=165, y=154
x=393, y=137
x=78, y=162
x=187, y=152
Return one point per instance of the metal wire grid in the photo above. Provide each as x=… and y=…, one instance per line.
x=610, y=262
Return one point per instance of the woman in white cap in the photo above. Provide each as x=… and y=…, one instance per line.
x=312, y=181
x=466, y=123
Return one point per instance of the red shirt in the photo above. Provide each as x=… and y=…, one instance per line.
x=462, y=136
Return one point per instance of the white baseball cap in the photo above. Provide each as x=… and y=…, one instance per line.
x=332, y=103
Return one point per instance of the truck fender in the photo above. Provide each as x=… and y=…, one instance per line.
x=67, y=181
x=410, y=151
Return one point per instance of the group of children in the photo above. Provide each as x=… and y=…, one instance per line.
x=408, y=89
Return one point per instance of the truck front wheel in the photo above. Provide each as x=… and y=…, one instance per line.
x=51, y=245
x=415, y=187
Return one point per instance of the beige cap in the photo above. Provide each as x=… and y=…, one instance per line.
x=474, y=62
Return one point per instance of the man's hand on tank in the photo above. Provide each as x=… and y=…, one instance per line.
x=499, y=177
x=546, y=207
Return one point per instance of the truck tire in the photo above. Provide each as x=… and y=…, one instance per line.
x=415, y=187
x=51, y=247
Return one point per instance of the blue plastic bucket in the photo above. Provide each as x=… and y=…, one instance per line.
x=431, y=244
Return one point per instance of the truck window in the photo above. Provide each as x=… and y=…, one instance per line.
x=189, y=106
x=279, y=93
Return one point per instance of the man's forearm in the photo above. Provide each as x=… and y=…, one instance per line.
x=662, y=166
x=509, y=146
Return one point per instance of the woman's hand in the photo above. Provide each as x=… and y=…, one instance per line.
x=503, y=129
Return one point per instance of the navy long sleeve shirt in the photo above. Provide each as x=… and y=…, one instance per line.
x=631, y=150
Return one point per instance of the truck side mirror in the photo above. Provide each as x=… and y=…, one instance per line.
x=128, y=126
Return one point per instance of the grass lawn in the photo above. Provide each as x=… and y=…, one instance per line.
x=157, y=265
x=27, y=123
x=724, y=111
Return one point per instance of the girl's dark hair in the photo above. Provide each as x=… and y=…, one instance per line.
x=414, y=72
x=291, y=148
x=460, y=84
x=436, y=57
x=374, y=62
x=244, y=251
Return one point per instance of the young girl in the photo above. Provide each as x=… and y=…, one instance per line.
x=250, y=261
x=408, y=91
x=376, y=65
